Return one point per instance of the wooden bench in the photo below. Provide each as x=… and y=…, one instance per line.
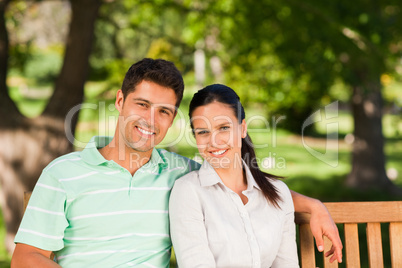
x=350, y=214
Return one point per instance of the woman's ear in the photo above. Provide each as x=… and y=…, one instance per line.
x=243, y=128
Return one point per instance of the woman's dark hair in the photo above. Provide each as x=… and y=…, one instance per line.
x=226, y=95
x=161, y=72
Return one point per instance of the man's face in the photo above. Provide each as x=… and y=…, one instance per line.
x=145, y=115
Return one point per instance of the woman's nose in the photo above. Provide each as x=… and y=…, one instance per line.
x=218, y=140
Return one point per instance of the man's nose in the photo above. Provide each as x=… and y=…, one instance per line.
x=149, y=116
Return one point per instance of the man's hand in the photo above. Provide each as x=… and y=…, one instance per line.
x=321, y=224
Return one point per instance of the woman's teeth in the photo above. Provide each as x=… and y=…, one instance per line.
x=218, y=152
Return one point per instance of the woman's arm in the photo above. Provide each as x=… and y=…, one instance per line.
x=321, y=224
x=187, y=229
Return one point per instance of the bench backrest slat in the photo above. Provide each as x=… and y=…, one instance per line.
x=350, y=214
x=395, y=237
x=374, y=244
x=351, y=245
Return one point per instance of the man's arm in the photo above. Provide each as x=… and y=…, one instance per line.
x=321, y=224
x=29, y=256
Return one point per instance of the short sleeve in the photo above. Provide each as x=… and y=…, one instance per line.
x=44, y=221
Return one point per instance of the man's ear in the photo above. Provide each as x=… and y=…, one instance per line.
x=174, y=116
x=243, y=128
x=119, y=100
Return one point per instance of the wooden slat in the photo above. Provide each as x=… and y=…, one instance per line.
x=306, y=247
x=351, y=245
x=374, y=245
x=301, y=218
x=395, y=237
x=362, y=212
x=327, y=247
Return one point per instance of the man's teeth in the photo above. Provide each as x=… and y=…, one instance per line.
x=144, y=131
x=218, y=152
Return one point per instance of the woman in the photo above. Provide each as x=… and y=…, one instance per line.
x=229, y=213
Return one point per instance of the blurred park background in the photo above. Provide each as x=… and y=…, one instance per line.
x=320, y=80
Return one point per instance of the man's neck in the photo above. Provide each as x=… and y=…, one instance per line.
x=124, y=155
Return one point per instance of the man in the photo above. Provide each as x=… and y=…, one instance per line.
x=107, y=206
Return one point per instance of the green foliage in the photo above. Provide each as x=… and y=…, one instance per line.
x=310, y=44
x=20, y=54
x=43, y=66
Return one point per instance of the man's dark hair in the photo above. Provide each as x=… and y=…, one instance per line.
x=158, y=71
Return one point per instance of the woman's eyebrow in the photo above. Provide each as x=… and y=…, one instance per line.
x=200, y=128
x=223, y=124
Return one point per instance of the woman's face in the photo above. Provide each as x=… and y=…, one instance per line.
x=218, y=134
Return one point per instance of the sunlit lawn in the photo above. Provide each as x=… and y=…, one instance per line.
x=308, y=167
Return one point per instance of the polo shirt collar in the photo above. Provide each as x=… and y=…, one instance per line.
x=156, y=159
x=91, y=154
x=209, y=176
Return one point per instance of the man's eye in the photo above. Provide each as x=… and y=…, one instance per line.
x=225, y=128
x=142, y=104
x=165, y=112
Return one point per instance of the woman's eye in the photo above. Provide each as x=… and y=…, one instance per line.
x=201, y=132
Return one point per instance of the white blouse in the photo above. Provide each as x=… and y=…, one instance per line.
x=211, y=227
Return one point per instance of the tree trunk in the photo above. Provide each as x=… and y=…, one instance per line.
x=368, y=158
x=28, y=145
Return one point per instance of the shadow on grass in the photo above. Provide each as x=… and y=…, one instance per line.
x=4, y=264
x=334, y=190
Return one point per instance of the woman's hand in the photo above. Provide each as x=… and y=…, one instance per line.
x=321, y=224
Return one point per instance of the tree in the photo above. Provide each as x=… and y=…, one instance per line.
x=28, y=145
x=319, y=42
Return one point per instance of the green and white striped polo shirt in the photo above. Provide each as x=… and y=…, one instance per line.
x=92, y=213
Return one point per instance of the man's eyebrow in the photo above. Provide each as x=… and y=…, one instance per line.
x=172, y=110
x=144, y=100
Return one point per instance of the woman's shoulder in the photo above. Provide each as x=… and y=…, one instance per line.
x=280, y=185
x=191, y=179
x=284, y=192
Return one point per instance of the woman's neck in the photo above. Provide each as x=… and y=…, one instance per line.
x=233, y=177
